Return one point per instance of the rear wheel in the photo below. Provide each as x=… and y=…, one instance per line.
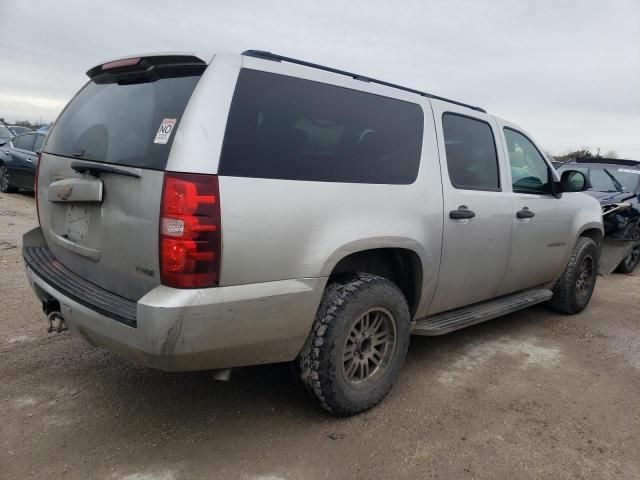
x=630, y=262
x=5, y=181
x=357, y=345
x=573, y=290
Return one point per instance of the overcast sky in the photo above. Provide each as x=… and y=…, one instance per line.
x=566, y=71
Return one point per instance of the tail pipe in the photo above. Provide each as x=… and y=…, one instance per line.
x=51, y=308
x=56, y=323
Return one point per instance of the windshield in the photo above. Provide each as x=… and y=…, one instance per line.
x=5, y=132
x=123, y=123
x=609, y=178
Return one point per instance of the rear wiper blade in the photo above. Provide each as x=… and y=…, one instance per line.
x=96, y=169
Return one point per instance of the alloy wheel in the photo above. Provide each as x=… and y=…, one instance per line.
x=369, y=347
x=585, y=277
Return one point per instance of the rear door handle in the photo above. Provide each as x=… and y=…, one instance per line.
x=461, y=213
x=525, y=213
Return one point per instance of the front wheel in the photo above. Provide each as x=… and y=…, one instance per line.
x=357, y=345
x=573, y=290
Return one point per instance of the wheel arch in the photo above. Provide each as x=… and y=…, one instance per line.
x=402, y=265
x=594, y=232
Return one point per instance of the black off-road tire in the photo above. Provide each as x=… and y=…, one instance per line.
x=630, y=262
x=568, y=296
x=320, y=365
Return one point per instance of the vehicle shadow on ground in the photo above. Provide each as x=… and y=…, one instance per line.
x=191, y=401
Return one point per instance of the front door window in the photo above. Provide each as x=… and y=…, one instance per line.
x=529, y=171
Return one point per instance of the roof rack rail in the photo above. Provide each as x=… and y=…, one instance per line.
x=280, y=58
x=613, y=161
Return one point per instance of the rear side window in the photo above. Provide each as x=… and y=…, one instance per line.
x=119, y=122
x=288, y=128
x=472, y=160
x=24, y=142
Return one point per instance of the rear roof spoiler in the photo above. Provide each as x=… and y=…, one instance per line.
x=145, y=65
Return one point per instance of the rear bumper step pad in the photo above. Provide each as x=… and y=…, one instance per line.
x=42, y=263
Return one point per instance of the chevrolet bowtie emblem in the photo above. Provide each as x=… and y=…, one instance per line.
x=65, y=192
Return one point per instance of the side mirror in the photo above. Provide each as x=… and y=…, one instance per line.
x=574, y=181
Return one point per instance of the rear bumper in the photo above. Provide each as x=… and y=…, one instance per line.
x=199, y=329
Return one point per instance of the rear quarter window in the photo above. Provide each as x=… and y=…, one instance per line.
x=288, y=128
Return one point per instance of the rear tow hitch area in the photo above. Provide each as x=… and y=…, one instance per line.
x=51, y=308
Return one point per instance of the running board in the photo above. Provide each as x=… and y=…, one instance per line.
x=446, y=322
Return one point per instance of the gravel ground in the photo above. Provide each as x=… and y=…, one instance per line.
x=531, y=395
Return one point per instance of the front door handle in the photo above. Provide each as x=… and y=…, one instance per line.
x=461, y=213
x=525, y=213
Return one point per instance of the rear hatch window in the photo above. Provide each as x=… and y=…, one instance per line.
x=126, y=118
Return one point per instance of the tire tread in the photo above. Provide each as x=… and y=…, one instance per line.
x=313, y=365
x=563, y=299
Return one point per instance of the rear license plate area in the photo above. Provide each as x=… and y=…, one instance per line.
x=77, y=223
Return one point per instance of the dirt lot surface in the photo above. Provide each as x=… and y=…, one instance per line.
x=531, y=395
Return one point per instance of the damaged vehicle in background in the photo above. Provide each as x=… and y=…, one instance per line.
x=616, y=185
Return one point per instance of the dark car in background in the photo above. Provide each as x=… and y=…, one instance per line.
x=615, y=184
x=18, y=161
x=19, y=130
x=5, y=134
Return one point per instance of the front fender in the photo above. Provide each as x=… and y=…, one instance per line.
x=590, y=226
x=588, y=217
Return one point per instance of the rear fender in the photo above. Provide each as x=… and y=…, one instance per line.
x=429, y=262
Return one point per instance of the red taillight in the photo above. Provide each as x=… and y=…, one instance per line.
x=190, y=227
x=35, y=185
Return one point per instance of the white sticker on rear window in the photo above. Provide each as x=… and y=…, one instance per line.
x=628, y=170
x=164, y=132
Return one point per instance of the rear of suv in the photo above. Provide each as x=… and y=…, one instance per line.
x=208, y=212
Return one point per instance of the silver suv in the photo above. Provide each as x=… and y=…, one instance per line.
x=208, y=212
